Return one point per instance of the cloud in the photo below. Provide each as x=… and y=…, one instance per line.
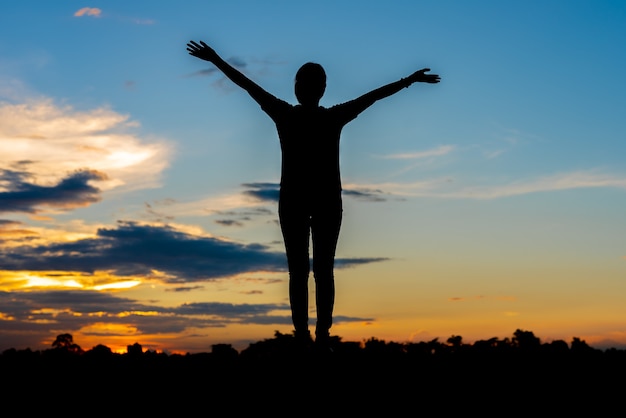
x=76, y=309
x=204, y=72
x=17, y=194
x=270, y=192
x=226, y=204
x=353, y=262
x=368, y=195
x=157, y=252
x=184, y=288
x=262, y=191
x=6, y=222
x=228, y=222
x=448, y=188
x=30, y=318
x=88, y=11
x=246, y=204
x=96, y=12
x=419, y=158
x=253, y=67
x=436, y=152
x=234, y=61
x=564, y=181
x=399, y=190
x=133, y=249
x=53, y=140
x=242, y=215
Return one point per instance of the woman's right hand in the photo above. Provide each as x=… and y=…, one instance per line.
x=202, y=51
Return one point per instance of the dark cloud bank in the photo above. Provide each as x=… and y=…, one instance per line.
x=270, y=192
x=134, y=249
x=23, y=195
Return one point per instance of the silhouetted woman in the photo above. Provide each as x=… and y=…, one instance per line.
x=310, y=184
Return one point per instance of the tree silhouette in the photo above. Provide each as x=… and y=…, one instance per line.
x=526, y=340
x=581, y=346
x=455, y=341
x=134, y=350
x=65, y=342
x=101, y=350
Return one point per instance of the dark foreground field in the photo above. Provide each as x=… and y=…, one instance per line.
x=520, y=376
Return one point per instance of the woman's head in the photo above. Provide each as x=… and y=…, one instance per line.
x=310, y=83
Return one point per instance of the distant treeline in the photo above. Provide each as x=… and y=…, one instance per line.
x=522, y=343
x=373, y=376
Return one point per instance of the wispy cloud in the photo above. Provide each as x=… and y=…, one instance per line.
x=419, y=158
x=448, y=187
x=253, y=67
x=365, y=194
x=353, y=262
x=88, y=11
x=270, y=192
x=51, y=142
x=435, y=152
x=228, y=222
x=97, y=13
x=398, y=190
x=234, y=61
x=557, y=182
x=244, y=205
x=259, y=199
x=184, y=288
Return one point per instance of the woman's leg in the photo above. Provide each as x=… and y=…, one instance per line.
x=325, y=226
x=295, y=226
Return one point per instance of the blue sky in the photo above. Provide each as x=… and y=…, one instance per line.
x=137, y=185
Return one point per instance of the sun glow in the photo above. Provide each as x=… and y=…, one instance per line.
x=118, y=285
x=106, y=329
x=54, y=312
x=38, y=281
x=100, y=280
x=123, y=159
x=138, y=313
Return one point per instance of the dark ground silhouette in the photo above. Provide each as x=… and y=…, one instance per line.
x=512, y=376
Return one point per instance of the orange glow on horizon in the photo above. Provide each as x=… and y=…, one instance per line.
x=138, y=313
x=100, y=280
x=103, y=329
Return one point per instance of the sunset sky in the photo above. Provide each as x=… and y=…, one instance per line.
x=138, y=186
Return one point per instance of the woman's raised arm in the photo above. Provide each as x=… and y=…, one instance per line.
x=205, y=52
x=368, y=99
